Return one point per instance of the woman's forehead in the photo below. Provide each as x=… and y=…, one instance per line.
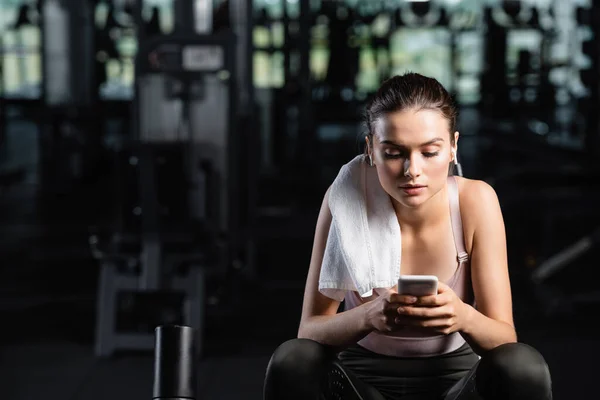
x=413, y=126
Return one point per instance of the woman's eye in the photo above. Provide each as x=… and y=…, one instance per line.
x=392, y=154
x=396, y=154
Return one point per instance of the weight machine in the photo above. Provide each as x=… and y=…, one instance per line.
x=181, y=224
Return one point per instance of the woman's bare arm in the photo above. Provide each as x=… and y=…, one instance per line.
x=491, y=324
x=320, y=320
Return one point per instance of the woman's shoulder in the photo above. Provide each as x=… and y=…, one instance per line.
x=478, y=204
x=475, y=192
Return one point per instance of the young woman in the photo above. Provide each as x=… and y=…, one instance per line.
x=457, y=344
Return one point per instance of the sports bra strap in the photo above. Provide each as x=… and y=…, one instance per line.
x=457, y=228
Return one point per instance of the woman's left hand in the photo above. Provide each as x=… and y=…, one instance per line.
x=443, y=313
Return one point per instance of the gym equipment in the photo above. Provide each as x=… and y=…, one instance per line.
x=555, y=291
x=114, y=34
x=590, y=76
x=20, y=53
x=567, y=256
x=341, y=386
x=174, y=363
x=68, y=57
x=173, y=233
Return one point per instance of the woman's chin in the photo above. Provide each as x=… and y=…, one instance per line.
x=410, y=201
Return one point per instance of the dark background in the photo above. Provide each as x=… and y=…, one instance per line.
x=116, y=156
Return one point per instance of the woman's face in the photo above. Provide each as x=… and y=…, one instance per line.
x=412, y=151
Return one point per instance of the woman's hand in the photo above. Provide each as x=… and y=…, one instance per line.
x=443, y=313
x=382, y=312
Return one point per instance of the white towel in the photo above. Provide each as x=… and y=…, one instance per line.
x=363, y=246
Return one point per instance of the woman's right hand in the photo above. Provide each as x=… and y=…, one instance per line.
x=381, y=312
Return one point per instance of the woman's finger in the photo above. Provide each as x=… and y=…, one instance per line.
x=424, y=312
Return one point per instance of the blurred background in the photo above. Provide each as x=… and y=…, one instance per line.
x=163, y=162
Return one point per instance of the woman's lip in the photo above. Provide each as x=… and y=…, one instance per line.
x=413, y=190
x=412, y=187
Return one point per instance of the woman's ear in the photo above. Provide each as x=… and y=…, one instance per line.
x=369, y=151
x=455, y=145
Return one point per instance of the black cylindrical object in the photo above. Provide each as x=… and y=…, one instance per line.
x=174, y=363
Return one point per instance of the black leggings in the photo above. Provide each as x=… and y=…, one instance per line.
x=299, y=367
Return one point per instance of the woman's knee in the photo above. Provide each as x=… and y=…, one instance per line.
x=299, y=354
x=297, y=365
x=514, y=371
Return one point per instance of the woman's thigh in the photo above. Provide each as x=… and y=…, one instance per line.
x=509, y=371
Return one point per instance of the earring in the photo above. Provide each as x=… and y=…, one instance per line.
x=370, y=160
x=457, y=166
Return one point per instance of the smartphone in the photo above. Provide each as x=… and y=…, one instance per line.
x=418, y=285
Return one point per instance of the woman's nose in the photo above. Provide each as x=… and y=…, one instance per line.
x=411, y=167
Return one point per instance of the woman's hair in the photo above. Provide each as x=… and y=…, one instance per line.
x=410, y=90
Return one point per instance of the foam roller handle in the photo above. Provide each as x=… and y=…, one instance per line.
x=174, y=363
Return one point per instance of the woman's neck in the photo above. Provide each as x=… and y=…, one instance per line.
x=419, y=218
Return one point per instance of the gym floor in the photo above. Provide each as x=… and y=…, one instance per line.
x=48, y=299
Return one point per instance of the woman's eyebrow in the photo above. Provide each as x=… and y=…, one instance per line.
x=429, y=142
